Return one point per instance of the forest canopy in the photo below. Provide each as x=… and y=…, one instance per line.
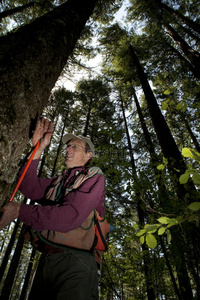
x=125, y=73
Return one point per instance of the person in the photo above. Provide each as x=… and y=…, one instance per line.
x=62, y=273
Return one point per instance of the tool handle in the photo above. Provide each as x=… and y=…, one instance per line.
x=24, y=172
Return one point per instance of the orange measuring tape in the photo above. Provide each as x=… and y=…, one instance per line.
x=24, y=172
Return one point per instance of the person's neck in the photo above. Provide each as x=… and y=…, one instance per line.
x=75, y=167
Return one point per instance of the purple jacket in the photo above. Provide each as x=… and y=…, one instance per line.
x=64, y=217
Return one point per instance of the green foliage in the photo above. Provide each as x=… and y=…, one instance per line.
x=146, y=234
x=195, y=206
x=191, y=172
x=162, y=166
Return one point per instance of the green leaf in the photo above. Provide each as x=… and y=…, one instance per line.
x=165, y=160
x=169, y=236
x=135, y=226
x=164, y=106
x=172, y=222
x=179, y=219
x=151, y=241
x=161, y=167
x=195, y=206
x=179, y=106
x=142, y=239
x=187, y=152
x=140, y=232
x=184, y=178
x=196, y=178
x=163, y=220
x=167, y=92
x=151, y=228
x=161, y=230
x=196, y=155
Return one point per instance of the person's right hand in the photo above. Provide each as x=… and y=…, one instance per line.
x=43, y=132
x=10, y=212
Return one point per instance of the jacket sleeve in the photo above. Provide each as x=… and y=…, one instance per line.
x=69, y=215
x=32, y=186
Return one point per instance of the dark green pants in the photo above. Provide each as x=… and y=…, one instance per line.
x=66, y=276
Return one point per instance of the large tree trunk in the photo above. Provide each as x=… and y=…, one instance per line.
x=31, y=61
x=176, y=164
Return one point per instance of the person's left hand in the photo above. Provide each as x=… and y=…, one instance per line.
x=43, y=132
x=10, y=212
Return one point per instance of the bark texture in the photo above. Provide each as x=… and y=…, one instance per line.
x=31, y=60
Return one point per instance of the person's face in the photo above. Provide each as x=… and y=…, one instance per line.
x=75, y=155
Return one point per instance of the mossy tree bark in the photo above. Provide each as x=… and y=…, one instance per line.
x=31, y=60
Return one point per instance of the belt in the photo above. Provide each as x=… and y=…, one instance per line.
x=52, y=251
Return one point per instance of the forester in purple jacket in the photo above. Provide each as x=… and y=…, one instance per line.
x=62, y=274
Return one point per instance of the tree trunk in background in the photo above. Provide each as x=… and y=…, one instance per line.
x=149, y=278
x=170, y=269
x=192, y=55
x=162, y=192
x=28, y=276
x=193, y=137
x=195, y=71
x=187, y=21
x=163, y=195
x=8, y=250
x=31, y=60
x=59, y=146
x=85, y=132
x=190, y=33
x=183, y=117
x=13, y=267
x=166, y=140
x=175, y=161
x=12, y=11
